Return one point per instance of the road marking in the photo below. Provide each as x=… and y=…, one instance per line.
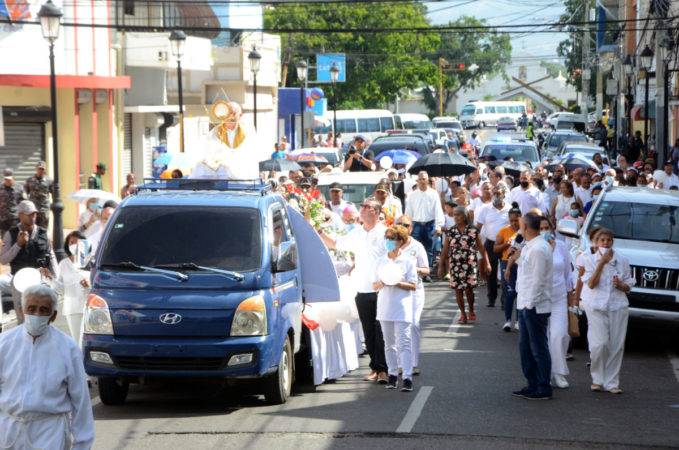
x=674, y=360
x=415, y=410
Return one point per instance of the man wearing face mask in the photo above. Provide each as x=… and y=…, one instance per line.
x=596, y=192
x=95, y=239
x=526, y=194
x=44, y=399
x=27, y=245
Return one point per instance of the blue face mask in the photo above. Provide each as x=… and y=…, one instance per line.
x=390, y=245
x=547, y=235
x=574, y=213
x=349, y=226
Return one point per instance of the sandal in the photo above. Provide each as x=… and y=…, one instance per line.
x=462, y=319
x=596, y=388
x=472, y=316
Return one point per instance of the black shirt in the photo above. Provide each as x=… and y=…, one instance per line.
x=356, y=165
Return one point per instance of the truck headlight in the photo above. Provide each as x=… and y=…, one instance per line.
x=250, y=318
x=97, y=316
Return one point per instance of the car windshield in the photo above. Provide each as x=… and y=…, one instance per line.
x=353, y=193
x=556, y=139
x=468, y=110
x=584, y=151
x=415, y=124
x=222, y=237
x=505, y=119
x=639, y=221
x=382, y=145
x=444, y=124
x=517, y=152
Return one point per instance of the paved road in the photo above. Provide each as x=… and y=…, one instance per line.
x=462, y=399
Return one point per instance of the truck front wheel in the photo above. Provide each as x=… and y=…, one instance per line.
x=112, y=391
x=278, y=385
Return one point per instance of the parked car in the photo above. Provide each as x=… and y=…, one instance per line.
x=587, y=150
x=519, y=150
x=506, y=123
x=414, y=142
x=552, y=118
x=575, y=122
x=555, y=139
x=202, y=279
x=448, y=123
x=644, y=222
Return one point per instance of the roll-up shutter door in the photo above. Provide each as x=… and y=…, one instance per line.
x=126, y=162
x=24, y=147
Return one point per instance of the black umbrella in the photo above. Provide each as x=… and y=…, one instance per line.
x=572, y=162
x=443, y=165
x=278, y=165
x=514, y=168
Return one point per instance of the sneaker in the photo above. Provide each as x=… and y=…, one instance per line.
x=427, y=279
x=416, y=371
x=536, y=396
x=393, y=381
x=516, y=326
x=507, y=326
x=407, y=385
x=447, y=277
x=490, y=305
x=559, y=381
x=523, y=392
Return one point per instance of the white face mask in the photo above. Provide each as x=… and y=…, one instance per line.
x=73, y=248
x=36, y=325
x=603, y=251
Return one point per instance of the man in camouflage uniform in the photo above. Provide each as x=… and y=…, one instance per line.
x=38, y=189
x=10, y=196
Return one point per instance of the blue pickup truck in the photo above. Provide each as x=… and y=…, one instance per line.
x=197, y=278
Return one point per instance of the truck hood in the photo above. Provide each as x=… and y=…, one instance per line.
x=649, y=254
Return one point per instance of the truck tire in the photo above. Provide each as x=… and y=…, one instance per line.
x=278, y=385
x=304, y=368
x=112, y=391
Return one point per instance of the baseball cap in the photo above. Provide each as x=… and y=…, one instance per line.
x=41, y=165
x=382, y=187
x=8, y=173
x=26, y=207
x=336, y=186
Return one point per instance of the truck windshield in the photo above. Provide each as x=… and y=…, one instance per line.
x=639, y=221
x=221, y=237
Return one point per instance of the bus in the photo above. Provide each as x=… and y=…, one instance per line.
x=485, y=114
x=370, y=123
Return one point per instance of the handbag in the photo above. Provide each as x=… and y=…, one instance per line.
x=573, y=325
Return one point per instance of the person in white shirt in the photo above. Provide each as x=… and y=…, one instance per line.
x=479, y=202
x=584, y=192
x=88, y=222
x=44, y=399
x=395, y=308
x=95, y=239
x=562, y=288
x=526, y=194
x=337, y=203
x=599, y=162
x=414, y=250
x=367, y=244
x=490, y=221
x=424, y=206
x=607, y=280
x=670, y=179
x=534, y=292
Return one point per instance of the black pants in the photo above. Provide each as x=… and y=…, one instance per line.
x=494, y=259
x=374, y=342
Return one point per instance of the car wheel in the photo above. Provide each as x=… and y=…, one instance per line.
x=112, y=391
x=279, y=385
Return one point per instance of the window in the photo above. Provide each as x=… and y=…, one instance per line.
x=479, y=111
x=346, y=125
x=128, y=7
x=386, y=123
x=522, y=109
x=417, y=124
x=489, y=109
x=223, y=237
x=370, y=125
x=501, y=109
x=519, y=153
x=397, y=121
x=468, y=110
x=639, y=221
x=280, y=226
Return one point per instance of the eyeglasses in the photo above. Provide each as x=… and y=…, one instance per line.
x=404, y=224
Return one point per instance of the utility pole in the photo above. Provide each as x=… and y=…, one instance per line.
x=660, y=99
x=586, y=74
x=442, y=63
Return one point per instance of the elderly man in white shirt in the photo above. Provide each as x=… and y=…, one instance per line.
x=423, y=205
x=526, y=194
x=534, y=288
x=44, y=400
x=367, y=243
x=669, y=179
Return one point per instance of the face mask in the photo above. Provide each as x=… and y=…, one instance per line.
x=73, y=248
x=36, y=325
x=525, y=184
x=390, y=245
x=609, y=179
x=574, y=213
x=603, y=251
x=349, y=226
x=547, y=235
x=498, y=201
x=594, y=197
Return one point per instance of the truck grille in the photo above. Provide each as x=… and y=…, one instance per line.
x=155, y=363
x=656, y=278
x=652, y=301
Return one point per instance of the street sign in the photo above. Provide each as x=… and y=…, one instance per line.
x=324, y=62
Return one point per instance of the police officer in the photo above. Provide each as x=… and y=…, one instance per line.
x=27, y=245
x=38, y=189
x=10, y=196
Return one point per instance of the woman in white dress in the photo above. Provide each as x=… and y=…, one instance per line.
x=73, y=284
x=562, y=287
x=562, y=203
x=395, y=306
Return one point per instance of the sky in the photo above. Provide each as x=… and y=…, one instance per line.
x=504, y=12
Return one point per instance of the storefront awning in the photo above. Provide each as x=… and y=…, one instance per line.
x=66, y=81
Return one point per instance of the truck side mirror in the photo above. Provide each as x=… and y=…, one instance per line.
x=286, y=260
x=568, y=227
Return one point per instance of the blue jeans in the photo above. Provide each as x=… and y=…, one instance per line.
x=508, y=289
x=534, y=348
x=423, y=232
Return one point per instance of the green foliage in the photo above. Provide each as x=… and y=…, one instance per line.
x=553, y=69
x=571, y=49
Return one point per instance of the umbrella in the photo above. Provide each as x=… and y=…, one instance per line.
x=572, y=162
x=278, y=165
x=310, y=157
x=443, y=165
x=83, y=195
x=514, y=168
x=400, y=156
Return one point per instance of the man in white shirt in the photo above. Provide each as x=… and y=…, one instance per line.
x=526, y=194
x=367, y=243
x=670, y=179
x=534, y=287
x=490, y=220
x=584, y=191
x=423, y=205
x=337, y=203
x=44, y=400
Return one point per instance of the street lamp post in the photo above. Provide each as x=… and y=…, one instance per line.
x=177, y=42
x=301, y=76
x=646, y=62
x=255, y=58
x=334, y=76
x=628, y=67
x=50, y=22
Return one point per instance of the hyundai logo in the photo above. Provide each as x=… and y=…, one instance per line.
x=651, y=275
x=170, y=318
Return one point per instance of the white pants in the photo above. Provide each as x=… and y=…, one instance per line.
x=558, y=336
x=398, y=346
x=418, y=306
x=606, y=336
x=75, y=327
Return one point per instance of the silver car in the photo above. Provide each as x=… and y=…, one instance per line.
x=645, y=223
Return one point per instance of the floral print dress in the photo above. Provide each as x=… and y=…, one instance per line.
x=462, y=253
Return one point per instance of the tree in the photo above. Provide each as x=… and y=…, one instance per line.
x=489, y=50
x=554, y=69
x=379, y=65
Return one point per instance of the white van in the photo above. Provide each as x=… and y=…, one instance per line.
x=371, y=123
x=486, y=114
x=412, y=121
